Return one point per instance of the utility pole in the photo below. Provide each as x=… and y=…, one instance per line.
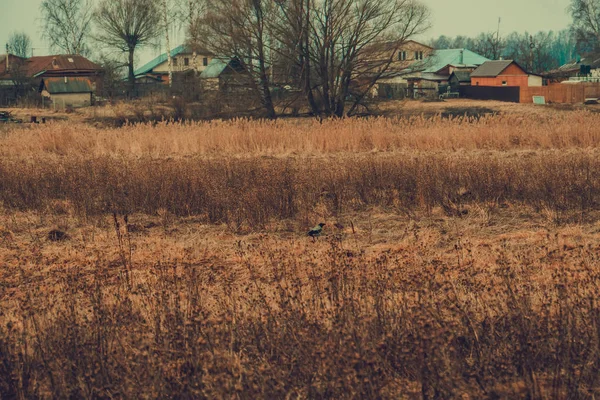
x=531, y=47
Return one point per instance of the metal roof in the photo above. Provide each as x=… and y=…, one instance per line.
x=492, y=68
x=440, y=59
x=149, y=66
x=67, y=85
x=215, y=67
x=55, y=64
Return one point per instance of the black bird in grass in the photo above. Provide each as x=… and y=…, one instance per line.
x=55, y=235
x=315, y=232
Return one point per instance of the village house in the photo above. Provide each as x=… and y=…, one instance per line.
x=24, y=76
x=504, y=73
x=183, y=60
x=431, y=77
x=585, y=69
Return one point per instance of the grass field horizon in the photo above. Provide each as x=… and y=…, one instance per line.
x=459, y=258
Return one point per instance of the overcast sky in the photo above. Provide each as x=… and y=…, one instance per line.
x=449, y=17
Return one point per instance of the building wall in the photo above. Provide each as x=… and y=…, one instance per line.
x=522, y=80
x=63, y=100
x=164, y=67
x=535, y=80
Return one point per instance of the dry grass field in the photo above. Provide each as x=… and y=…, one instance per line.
x=460, y=258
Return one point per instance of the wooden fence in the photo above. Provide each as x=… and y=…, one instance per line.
x=562, y=92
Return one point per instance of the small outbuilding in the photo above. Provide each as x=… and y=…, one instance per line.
x=67, y=92
x=225, y=75
x=504, y=73
x=459, y=78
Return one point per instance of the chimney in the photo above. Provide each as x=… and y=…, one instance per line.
x=462, y=57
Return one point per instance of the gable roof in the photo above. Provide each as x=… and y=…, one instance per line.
x=493, y=68
x=440, y=59
x=61, y=62
x=181, y=49
x=217, y=66
x=150, y=65
x=417, y=43
x=38, y=65
x=462, y=76
x=67, y=85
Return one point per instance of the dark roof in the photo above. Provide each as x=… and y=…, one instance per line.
x=56, y=64
x=462, y=76
x=493, y=68
x=12, y=59
x=573, y=67
x=67, y=85
x=60, y=63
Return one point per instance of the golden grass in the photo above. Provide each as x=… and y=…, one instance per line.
x=460, y=259
x=306, y=137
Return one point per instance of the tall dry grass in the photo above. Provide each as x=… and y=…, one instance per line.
x=111, y=313
x=247, y=174
x=306, y=137
x=284, y=319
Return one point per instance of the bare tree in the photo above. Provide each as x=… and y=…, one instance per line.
x=67, y=24
x=346, y=46
x=238, y=29
x=19, y=44
x=586, y=24
x=490, y=45
x=168, y=15
x=127, y=25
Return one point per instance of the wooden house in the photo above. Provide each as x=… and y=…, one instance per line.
x=504, y=73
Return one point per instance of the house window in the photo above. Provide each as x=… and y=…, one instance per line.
x=174, y=62
x=416, y=55
x=420, y=55
x=401, y=56
x=504, y=83
x=205, y=61
x=186, y=61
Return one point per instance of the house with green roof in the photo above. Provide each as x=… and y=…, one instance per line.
x=183, y=60
x=426, y=77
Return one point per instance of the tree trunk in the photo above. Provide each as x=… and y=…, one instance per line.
x=169, y=60
x=267, y=100
x=131, y=76
x=305, y=56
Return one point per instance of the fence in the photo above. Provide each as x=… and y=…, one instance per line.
x=562, y=92
x=501, y=93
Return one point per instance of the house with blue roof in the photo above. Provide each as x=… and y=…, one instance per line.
x=157, y=70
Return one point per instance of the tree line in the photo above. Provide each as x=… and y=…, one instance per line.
x=537, y=52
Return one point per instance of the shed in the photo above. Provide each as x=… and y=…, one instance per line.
x=224, y=74
x=503, y=73
x=459, y=78
x=67, y=92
